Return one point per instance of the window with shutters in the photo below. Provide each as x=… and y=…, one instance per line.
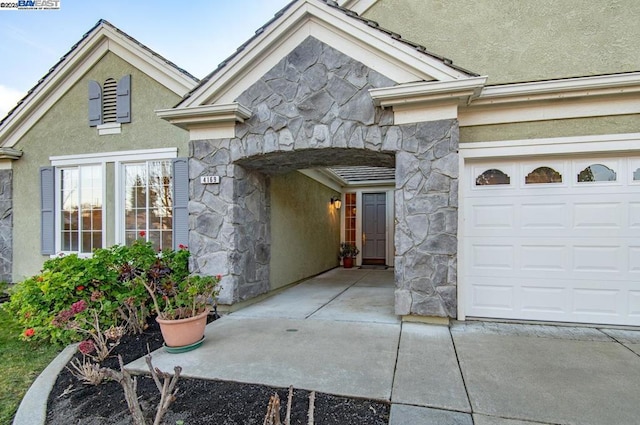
x=90, y=201
x=148, y=206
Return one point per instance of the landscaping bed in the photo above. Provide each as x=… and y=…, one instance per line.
x=199, y=401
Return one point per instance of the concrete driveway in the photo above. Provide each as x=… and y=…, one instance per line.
x=336, y=333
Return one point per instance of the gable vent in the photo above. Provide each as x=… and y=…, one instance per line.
x=109, y=100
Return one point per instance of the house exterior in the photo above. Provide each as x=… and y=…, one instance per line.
x=85, y=161
x=516, y=157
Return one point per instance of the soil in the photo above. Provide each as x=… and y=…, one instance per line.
x=199, y=401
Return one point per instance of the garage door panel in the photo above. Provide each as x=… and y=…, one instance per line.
x=544, y=216
x=492, y=297
x=598, y=215
x=545, y=258
x=634, y=304
x=634, y=260
x=493, y=257
x=592, y=301
x=544, y=300
x=493, y=217
x=598, y=259
x=634, y=215
x=543, y=249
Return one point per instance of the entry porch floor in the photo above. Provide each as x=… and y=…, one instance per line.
x=337, y=333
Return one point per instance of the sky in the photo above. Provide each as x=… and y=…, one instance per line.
x=194, y=34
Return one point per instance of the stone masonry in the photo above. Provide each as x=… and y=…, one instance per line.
x=313, y=109
x=6, y=224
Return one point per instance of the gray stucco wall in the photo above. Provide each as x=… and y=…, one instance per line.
x=6, y=224
x=64, y=130
x=305, y=229
x=514, y=41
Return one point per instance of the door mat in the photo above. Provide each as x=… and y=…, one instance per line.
x=373, y=267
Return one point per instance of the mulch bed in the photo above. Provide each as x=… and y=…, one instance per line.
x=199, y=402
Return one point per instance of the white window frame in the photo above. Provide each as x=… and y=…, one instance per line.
x=58, y=205
x=143, y=156
x=117, y=157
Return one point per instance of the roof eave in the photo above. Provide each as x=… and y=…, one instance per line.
x=422, y=65
x=94, y=44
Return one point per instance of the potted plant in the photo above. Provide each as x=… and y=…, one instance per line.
x=182, y=305
x=348, y=252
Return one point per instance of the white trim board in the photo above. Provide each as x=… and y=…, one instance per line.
x=610, y=143
x=118, y=156
x=592, y=96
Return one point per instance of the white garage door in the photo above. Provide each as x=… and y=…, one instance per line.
x=553, y=240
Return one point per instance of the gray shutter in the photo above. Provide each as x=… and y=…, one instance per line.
x=95, y=103
x=180, y=183
x=123, y=100
x=47, y=211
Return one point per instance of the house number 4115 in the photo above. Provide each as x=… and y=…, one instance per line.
x=209, y=179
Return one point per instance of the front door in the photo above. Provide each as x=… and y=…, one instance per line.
x=374, y=229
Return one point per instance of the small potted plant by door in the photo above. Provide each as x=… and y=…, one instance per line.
x=182, y=306
x=348, y=252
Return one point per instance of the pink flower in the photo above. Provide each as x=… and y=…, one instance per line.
x=87, y=346
x=219, y=277
x=78, y=307
x=61, y=318
x=29, y=332
x=181, y=246
x=142, y=233
x=96, y=295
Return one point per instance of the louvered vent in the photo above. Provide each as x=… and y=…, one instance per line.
x=109, y=100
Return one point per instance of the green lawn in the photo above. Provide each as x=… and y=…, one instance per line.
x=20, y=364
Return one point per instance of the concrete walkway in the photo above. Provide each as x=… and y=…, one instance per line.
x=336, y=333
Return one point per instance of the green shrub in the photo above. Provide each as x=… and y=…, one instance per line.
x=105, y=281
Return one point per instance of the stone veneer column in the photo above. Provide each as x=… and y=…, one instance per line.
x=426, y=202
x=229, y=222
x=6, y=224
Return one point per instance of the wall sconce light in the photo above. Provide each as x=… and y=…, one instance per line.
x=336, y=202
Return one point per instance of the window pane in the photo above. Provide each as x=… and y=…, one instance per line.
x=636, y=175
x=597, y=173
x=97, y=240
x=543, y=175
x=66, y=241
x=167, y=240
x=130, y=237
x=154, y=238
x=97, y=219
x=86, y=242
x=492, y=177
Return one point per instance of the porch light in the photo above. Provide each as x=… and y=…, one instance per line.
x=336, y=202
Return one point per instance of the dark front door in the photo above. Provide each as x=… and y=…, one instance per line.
x=374, y=228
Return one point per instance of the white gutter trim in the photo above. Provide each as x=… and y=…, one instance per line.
x=570, y=87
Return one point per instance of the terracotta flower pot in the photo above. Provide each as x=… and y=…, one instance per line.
x=183, y=332
x=347, y=262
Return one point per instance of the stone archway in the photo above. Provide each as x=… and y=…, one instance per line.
x=309, y=110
